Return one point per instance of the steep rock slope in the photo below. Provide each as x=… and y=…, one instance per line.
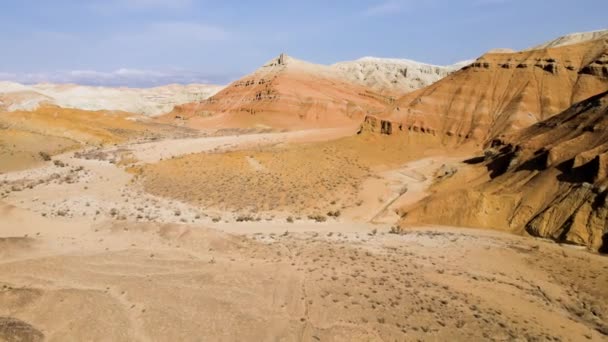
x=146, y=101
x=285, y=93
x=394, y=76
x=501, y=92
x=549, y=180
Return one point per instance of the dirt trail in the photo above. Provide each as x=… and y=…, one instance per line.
x=154, y=151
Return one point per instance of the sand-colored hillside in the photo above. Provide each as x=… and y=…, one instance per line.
x=21, y=149
x=79, y=125
x=286, y=93
x=28, y=137
x=145, y=101
x=501, y=92
x=548, y=180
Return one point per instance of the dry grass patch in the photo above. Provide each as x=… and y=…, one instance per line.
x=307, y=178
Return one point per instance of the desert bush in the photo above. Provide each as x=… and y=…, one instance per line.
x=45, y=156
x=244, y=218
x=335, y=214
x=317, y=218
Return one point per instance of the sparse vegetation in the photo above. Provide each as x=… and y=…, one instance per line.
x=45, y=156
x=334, y=214
x=317, y=217
x=245, y=218
x=295, y=178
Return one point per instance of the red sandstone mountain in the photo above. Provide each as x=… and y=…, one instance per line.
x=499, y=93
x=288, y=94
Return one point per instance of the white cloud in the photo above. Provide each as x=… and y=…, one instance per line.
x=489, y=2
x=119, y=77
x=165, y=35
x=156, y=3
x=387, y=7
x=188, y=30
x=111, y=6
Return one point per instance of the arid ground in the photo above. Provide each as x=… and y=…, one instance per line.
x=271, y=236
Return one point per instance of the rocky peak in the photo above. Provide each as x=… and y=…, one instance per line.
x=281, y=60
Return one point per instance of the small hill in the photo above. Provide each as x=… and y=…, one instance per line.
x=549, y=180
x=30, y=137
x=145, y=101
x=499, y=93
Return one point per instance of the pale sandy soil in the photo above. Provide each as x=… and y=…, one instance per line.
x=86, y=254
x=67, y=280
x=154, y=151
x=391, y=190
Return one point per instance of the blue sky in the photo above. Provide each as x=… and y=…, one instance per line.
x=151, y=42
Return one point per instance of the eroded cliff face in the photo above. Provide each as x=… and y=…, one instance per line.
x=549, y=180
x=502, y=92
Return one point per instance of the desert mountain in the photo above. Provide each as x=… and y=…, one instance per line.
x=290, y=93
x=286, y=93
x=146, y=101
x=500, y=92
x=394, y=76
x=549, y=180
